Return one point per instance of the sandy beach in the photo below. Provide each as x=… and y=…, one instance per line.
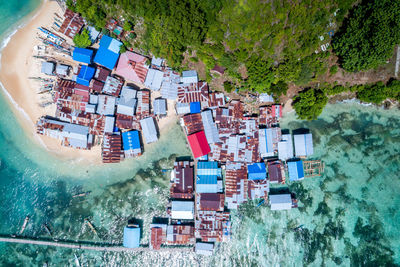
x=18, y=64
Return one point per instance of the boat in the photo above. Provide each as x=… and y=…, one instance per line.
x=24, y=225
x=77, y=263
x=81, y=194
x=46, y=227
x=91, y=226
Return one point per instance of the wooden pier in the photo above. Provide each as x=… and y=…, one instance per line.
x=313, y=168
x=87, y=246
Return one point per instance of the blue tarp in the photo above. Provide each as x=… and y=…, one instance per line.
x=256, y=171
x=82, y=55
x=108, y=52
x=296, y=170
x=85, y=75
x=131, y=237
x=195, y=107
x=130, y=140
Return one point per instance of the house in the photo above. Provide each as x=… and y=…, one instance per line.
x=235, y=184
x=195, y=107
x=270, y=115
x=198, y=144
x=71, y=135
x=96, y=86
x=182, y=108
x=112, y=148
x=158, y=235
x=210, y=128
x=218, y=69
x=72, y=24
x=126, y=103
x=212, y=226
x=208, y=173
x=266, y=98
x=256, y=171
x=108, y=52
x=276, y=172
x=285, y=147
x=85, y=75
x=143, y=104
x=109, y=124
x=106, y=105
x=216, y=100
x=131, y=236
x=169, y=86
x=182, y=184
x=203, y=248
x=132, y=67
x=268, y=141
x=149, y=130
x=210, y=201
x=102, y=74
x=193, y=92
x=71, y=95
x=280, y=202
x=82, y=55
x=189, y=76
x=160, y=107
x=258, y=185
x=157, y=62
x=180, y=234
x=131, y=144
x=193, y=123
x=48, y=68
x=295, y=170
x=154, y=79
x=303, y=145
x=113, y=86
x=93, y=33
x=182, y=210
x=62, y=70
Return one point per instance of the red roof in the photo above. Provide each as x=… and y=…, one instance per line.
x=198, y=144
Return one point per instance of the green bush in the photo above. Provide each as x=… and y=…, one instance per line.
x=333, y=70
x=228, y=87
x=309, y=103
x=82, y=40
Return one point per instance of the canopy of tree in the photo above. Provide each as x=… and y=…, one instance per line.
x=309, y=103
x=368, y=35
x=82, y=40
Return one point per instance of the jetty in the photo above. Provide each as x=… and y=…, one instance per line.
x=87, y=245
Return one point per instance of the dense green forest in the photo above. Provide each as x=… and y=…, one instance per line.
x=264, y=45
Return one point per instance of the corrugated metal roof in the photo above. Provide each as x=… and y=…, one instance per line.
x=82, y=55
x=160, y=106
x=280, y=202
x=106, y=105
x=182, y=210
x=131, y=237
x=154, y=79
x=189, y=76
x=296, y=170
x=149, y=130
x=210, y=128
x=47, y=68
x=257, y=171
x=108, y=52
x=285, y=147
x=303, y=145
x=182, y=108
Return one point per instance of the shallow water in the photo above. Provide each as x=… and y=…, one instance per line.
x=349, y=216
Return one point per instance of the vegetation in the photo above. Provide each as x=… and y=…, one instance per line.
x=368, y=35
x=333, y=70
x=228, y=87
x=309, y=103
x=82, y=40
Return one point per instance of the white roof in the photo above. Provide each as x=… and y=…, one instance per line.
x=114, y=46
x=111, y=85
x=149, y=130
x=90, y=108
x=210, y=128
x=160, y=106
x=169, y=86
x=266, y=98
x=154, y=79
x=189, y=76
x=109, y=125
x=265, y=142
x=285, y=147
x=157, y=61
x=47, y=67
x=106, y=105
x=127, y=101
x=204, y=248
x=93, y=33
x=182, y=108
x=182, y=210
x=303, y=145
x=93, y=99
x=62, y=69
x=280, y=202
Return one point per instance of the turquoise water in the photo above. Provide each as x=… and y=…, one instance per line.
x=349, y=216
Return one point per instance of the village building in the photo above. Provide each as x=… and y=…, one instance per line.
x=47, y=68
x=280, y=201
x=131, y=144
x=113, y=86
x=218, y=69
x=71, y=135
x=258, y=185
x=126, y=103
x=108, y=53
x=268, y=141
x=216, y=100
x=198, y=144
x=235, y=184
x=96, y=86
x=143, y=104
x=154, y=79
x=149, y=130
x=132, y=67
x=195, y=107
x=285, y=147
x=71, y=95
x=169, y=86
x=182, y=210
x=160, y=107
x=182, y=185
x=82, y=55
x=106, y=105
x=158, y=235
x=270, y=115
x=157, y=62
x=205, y=249
x=93, y=33
x=62, y=70
x=266, y=98
x=85, y=75
x=212, y=226
x=276, y=172
x=295, y=170
x=207, y=177
x=112, y=148
x=102, y=74
x=303, y=145
x=189, y=76
x=210, y=201
x=114, y=27
x=192, y=123
x=131, y=236
x=182, y=108
x=193, y=92
x=180, y=234
x=210, y=127
x=72, y=24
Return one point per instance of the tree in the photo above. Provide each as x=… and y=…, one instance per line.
x=260, y=74
x=82, y=40
x=368, y=36
x=228, y=87
x=309, y=103
x=127, y=26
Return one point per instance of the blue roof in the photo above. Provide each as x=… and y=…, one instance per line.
x=206, y=179
x=207, y=165
x=130, y=140
x=256, y=171
x=131, y=237
x=208, y=168
x=108, y=52
x=195, y=107
x=82, y=55
x=85, y=75
x=296, y=170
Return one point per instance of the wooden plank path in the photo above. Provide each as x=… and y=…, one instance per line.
x=77, y=245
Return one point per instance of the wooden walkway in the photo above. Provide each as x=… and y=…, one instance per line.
x=78, y=245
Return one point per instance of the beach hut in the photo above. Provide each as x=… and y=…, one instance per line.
x=280, y=202
x=85, y=75
x=131, y=144
x=132, y=67
x=296, y=170
x=285, y=147
x=131, y=236
x=149, y=130
x=303, y=145
x=108, y=52
x=198, y=144
x=82, y=55
x=189, y=76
